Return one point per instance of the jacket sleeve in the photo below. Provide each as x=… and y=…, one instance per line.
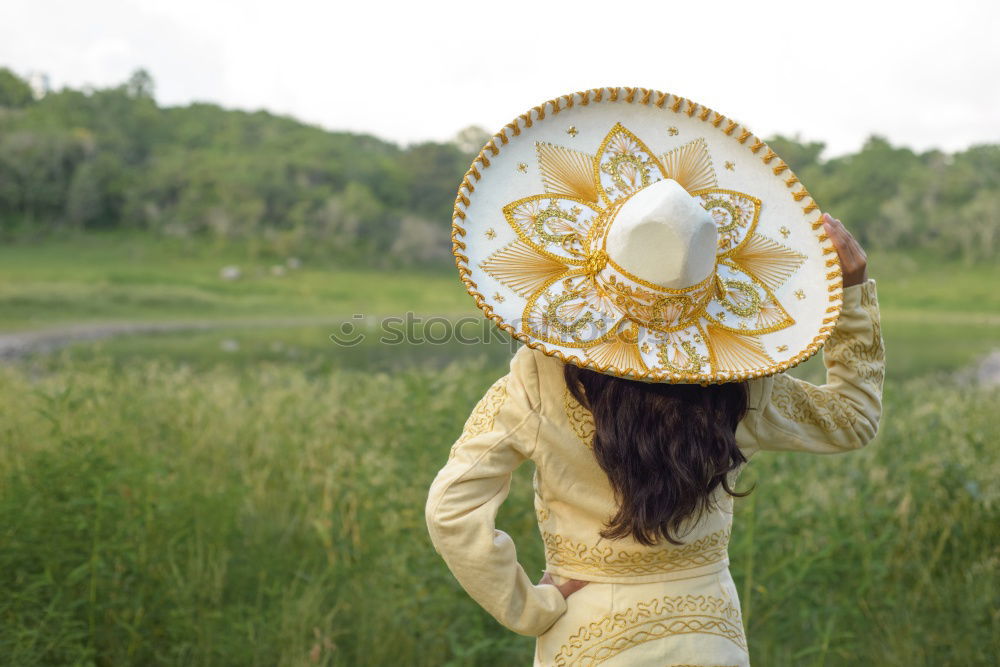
x=467, y=493
x=841, y=415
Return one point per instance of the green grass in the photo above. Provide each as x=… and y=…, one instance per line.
x=151, y=514
x=917, y=283
x=916, y=349
x=137, y=278
x=308, y=348
x=887, y=556
x=253, y=494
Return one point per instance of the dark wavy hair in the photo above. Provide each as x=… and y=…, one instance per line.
x=664, y=447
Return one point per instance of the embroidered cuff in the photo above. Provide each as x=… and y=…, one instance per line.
x=852, y=294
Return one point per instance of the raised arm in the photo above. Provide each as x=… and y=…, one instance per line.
x=467, y=493
x=842, y=414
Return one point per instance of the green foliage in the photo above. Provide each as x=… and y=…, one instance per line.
x=895, y=199
x=14, y=91
x=796, y=154
x=114, y=159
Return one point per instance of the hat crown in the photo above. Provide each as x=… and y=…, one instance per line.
x=664, y=236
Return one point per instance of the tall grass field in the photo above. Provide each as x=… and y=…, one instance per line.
x=255, y=497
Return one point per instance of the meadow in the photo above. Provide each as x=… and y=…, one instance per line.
x=121, y=276
x=253, y=495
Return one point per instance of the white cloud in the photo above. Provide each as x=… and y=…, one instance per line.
x=922, y=74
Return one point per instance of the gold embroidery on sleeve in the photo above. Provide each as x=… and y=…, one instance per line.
x=604, y=560
x=580, y=419
x=803, y=402
x=866, y=357
x=484, y=414
x=658, y=618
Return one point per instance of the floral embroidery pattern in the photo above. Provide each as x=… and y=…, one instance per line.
x=648, y=621
x=484, y=414
x=867, y=357
x=806, y=403
x=823, y=408
x=577, y=296
x=580, y=419
x=605, y=560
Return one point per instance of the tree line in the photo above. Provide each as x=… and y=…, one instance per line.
x=83, y=160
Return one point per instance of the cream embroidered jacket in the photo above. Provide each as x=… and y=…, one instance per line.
x=529, y=414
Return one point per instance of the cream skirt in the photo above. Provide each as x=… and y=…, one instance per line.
x=689, y=622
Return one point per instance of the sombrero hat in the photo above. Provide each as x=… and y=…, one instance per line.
x=643, y=235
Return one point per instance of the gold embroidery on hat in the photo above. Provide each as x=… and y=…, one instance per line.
x=768, y=260
x=691, y=166
x=735, y=351
x=681, y=358
x=554, y=225
x=767, y=314
x=566, y=172
x=596, y=262
x=624, y=165
x=771, y=317
x=521, y=268
x=575, y=249
x=741, y=298
x=735, y=213
x=575, y=295
x=621, y=351
x=554, y=319
x=563, y=225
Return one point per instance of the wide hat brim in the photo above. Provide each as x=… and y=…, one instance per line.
x=534, y=207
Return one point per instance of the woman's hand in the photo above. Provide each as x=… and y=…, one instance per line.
x=571, y=586
x=853, y=261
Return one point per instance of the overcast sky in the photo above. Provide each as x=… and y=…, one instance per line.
x=924, y=74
